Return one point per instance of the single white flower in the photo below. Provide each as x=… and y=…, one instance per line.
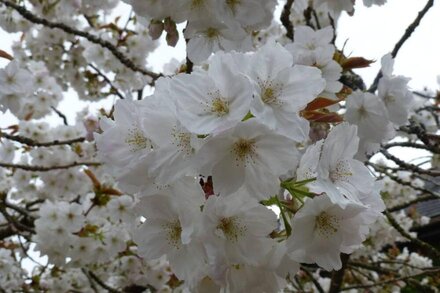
x=213, y=102
x=281, y=90
x=369, y=113
x=321, y=230
x=235, y=229
x=208, y=35
x=249, y=155
x=123, y=140
x=15, y=80
x=170, y=229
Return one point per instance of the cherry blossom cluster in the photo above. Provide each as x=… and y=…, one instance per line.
x=232, y=177
x=84, y=238
x=377, y=116
x=333, y=7
x=11, y=273
x=211, y=25
x=28, y=92
x=89, y=69
x=240, y=122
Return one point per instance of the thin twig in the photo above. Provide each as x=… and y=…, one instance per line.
x=377, y=284
x=407, y=166
x=315, y=282
x=370, y=267
x=400, y=181
x=15, y=224
x=101, y=283
x=410, y=203
x=423, y=95
x=410, y=29
x=91, y=282
x=31, y=142
x=432, y=141
x=61, y=115
x=426, y=246
x=408, y=144
x=18, y=209
x=108, y=81
x=49, y=168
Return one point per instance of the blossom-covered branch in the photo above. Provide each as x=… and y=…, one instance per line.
x=31, y=142
x=70, y=30
x=47, y=168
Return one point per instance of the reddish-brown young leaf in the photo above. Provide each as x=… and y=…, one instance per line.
x=320, y=103
x=317, y=116
x=5, y=55
x=356, y=62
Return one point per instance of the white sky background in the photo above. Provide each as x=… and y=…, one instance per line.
x=370, y=33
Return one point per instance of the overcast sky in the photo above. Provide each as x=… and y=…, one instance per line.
x=370, y=33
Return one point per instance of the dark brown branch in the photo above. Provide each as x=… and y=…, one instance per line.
x=91, y=281
x=338, y=276
x=426, y=246
x=285, y=19
x=400, y=181
x=410, y=203
x=18, y=209
x=371, y=267
x=315, y=16
x=46, y=169
x=407, y=166
x=314, y=281
x=73, y=31
x=108, y=81
x=15, y=225
x=423, y=95
x=7, y=232
x=408, y=32
x=61, y=115
x=377, y=284
x=408, y=144
x=189, y=64
x=432, y=141
x=31, y=142
x=101, y=283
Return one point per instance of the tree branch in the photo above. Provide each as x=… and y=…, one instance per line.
x=46, y=169
x=61, y=115
x=338, y=276
x=73, y=31
x=426, y=246
x=407, y=166
x=315, y=282
x=400, y=181
x=108, y=81
x=410, y=203
x=431, y=141
x=408, y=144
x=408, y=32
x=31, y=142
x=101, y=283
x=432, y=272
x=285, y=19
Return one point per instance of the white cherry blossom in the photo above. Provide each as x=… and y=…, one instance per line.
x=321, y=230
x=281, y=91
x=248, y=155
